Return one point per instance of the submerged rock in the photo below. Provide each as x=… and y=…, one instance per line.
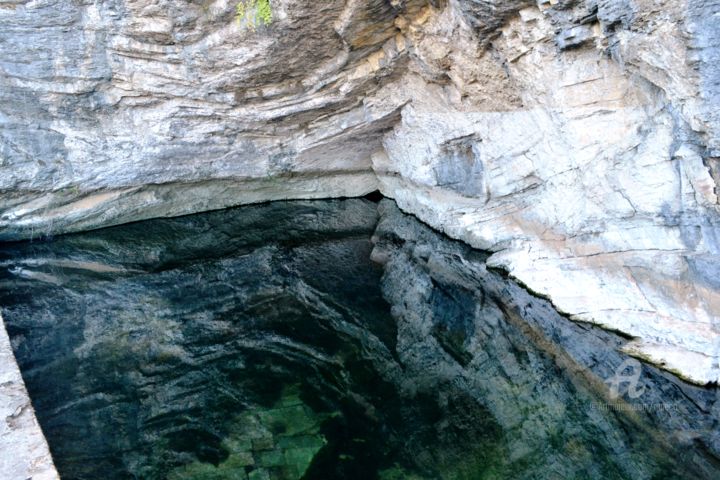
x=561, y=391
x=263, y=342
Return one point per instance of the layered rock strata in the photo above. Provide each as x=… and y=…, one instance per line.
x=578, y=140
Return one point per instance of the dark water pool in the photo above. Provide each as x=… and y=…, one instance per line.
x=321, y=340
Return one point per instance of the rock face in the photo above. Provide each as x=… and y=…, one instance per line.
x=578, y=140
x=461, y=319
x=25, y=451
x=593, y=181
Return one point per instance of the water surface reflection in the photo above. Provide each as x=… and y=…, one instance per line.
x=318, y=340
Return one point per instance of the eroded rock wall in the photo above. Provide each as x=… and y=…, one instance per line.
x=578, y=140
x=585, y=162
x=117, y=111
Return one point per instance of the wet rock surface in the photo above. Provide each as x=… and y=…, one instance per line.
x=334, y=339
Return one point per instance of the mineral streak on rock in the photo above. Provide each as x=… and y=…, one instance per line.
x=578, y=140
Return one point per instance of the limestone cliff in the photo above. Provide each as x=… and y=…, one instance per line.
x=577, y=140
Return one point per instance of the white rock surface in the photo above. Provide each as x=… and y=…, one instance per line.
x=24, y=451
x=579, y=140
x=593, y=191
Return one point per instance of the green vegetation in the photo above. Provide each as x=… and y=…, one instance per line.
x=253, y=13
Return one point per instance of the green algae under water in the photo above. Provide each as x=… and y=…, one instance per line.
x=280, y=441
x=264, y=343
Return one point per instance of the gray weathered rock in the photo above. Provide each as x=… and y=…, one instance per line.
x=25, y=454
